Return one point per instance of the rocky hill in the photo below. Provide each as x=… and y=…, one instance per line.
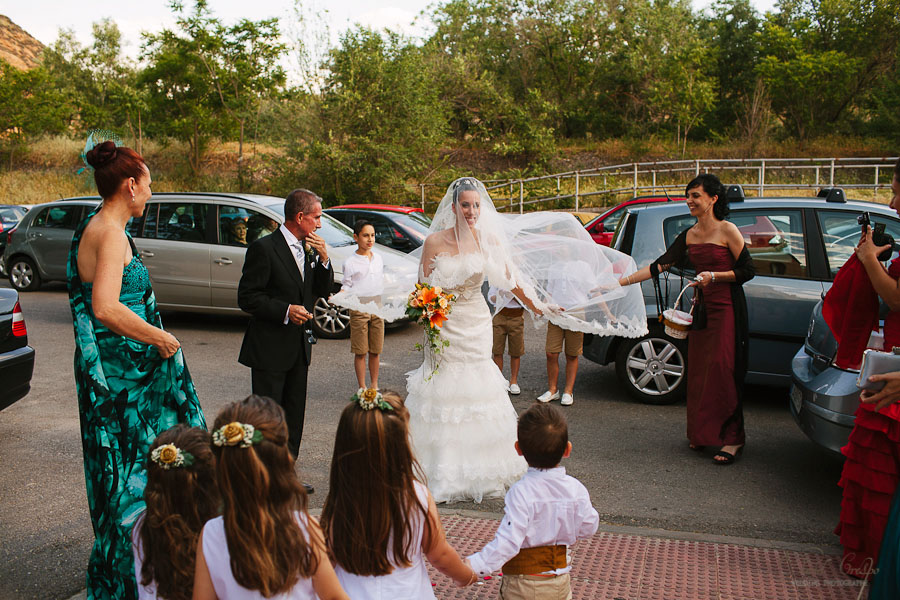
x=17, y=47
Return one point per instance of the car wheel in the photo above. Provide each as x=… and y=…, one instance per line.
x=330, y=321
x=653, y=368
x=23, y=274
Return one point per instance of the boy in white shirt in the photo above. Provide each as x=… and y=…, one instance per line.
x=363, y=276
x=546, y=512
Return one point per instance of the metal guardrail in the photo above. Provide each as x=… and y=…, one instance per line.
x=651, y=178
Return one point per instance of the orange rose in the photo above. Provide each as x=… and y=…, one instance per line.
x=233, y=433
x=168, y=454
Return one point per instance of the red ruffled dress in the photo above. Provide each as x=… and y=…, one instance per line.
x=872, y=469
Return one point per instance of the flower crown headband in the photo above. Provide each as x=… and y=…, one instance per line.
x=237, y=434
x=369, y=398
x=171, y=456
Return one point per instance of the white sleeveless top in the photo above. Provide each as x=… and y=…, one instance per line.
x=218, y=561
x=408, y=582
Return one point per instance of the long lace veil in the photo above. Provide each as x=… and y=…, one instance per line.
x=547, y=257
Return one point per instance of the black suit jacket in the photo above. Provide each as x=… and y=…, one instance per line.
x=269, y=283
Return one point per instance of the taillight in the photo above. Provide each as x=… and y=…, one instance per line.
x=18, y=322
x=9, y=235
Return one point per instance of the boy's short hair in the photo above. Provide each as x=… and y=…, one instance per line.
x=358, y=226
x=543, y=435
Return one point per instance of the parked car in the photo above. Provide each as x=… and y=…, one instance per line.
x=38, y=247
x=10, y=215
x=193, y=245
x=797, y=244
x=402, y=228
x=603, y=227
x=16, y=356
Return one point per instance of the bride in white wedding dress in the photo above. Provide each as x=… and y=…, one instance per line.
x=462, y=423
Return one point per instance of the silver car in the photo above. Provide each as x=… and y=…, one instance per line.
x=193, y=245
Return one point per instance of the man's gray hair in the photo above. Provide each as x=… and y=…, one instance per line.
x=299, y=201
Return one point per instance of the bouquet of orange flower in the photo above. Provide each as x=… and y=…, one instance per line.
x=430, y=306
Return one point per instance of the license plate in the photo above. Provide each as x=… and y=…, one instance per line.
x=796, y=398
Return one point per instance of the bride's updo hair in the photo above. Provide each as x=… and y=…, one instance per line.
x=113, y=165
x=464, y=184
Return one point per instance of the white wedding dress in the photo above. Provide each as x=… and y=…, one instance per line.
x=462, y=424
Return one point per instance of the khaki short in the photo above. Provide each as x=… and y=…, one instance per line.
x=530, y=587
x=555, y=336
x=366, y=333
x=509, y=323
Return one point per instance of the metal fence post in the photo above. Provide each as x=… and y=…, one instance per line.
x=654, y=181
x=831, y=179
x=422, y=185
x=577, y=188
x=875, y=188
x=817, y=175
x=762, y=178
x=635, y=179
x=696, y=167
x=521, y=204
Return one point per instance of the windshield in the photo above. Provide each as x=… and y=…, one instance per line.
x=11, y=214
x=417, y=225
x=334, y=232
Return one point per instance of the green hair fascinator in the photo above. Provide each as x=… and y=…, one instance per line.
x=94, y=138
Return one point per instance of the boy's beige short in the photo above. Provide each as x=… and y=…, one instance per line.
x=366, y=333
x=509, y=323
x=555, y=336
x=536, y=587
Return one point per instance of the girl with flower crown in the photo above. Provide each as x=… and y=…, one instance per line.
x=380, y=544
x=265, y=544
x=181, y=495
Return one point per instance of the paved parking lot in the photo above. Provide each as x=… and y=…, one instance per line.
x=632, y=457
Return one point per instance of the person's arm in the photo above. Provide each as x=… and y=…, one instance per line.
x=887, y=395
x=429, y=250
x=743, y=270
x=349, y=272
x=590, y=519
x=441, y=554
x=203, y=585
x=112, y=248
x=324, y=580
x=253, y=295
x=673, y=254
x=509, y=537
x=885, y=286
x=323, y=276
x=525, y=300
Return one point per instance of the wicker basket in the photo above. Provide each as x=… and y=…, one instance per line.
x=677, y=322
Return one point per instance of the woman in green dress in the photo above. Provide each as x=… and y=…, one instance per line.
x=130, y=374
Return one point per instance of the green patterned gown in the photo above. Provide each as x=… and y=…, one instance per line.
x=127, y=395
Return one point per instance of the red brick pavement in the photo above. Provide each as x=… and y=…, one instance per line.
x=619, y=566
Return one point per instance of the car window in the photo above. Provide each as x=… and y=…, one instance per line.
x=239, y=226
x=180, y=221
x=775, y=241
x=383, y=229
x=416, y=226
x=673, y=226
x=58, y=217
x=609, y=223
x=840, y=232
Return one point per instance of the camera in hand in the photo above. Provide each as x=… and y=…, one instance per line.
x=879, y=237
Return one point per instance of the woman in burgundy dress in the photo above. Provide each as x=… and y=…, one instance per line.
x=717, y=343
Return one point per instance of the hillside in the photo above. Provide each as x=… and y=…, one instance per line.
x=17, y=47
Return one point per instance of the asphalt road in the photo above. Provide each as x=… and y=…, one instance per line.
x=632, y=457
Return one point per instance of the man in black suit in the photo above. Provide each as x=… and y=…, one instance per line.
x=281, y=280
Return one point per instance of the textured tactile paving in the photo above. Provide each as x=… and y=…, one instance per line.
x=612, y=566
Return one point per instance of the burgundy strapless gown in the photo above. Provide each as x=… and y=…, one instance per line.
x=713, y=407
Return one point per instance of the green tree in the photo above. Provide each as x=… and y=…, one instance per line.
x=30, y=105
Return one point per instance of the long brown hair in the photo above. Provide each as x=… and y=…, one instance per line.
x=179, y=501
x=261, y=496
x=372, y=495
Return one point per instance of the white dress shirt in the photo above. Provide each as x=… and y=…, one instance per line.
x=497, y=296
x=544, y=508
x=362, y=276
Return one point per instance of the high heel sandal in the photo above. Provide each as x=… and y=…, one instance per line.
x=728, y=457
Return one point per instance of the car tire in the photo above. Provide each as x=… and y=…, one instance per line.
x=653, y=368
x=329, y=321
x=23, y=275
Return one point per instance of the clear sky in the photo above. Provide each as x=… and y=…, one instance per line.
x=43, y=18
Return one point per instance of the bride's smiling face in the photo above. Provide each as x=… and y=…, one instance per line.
x=470, y=206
